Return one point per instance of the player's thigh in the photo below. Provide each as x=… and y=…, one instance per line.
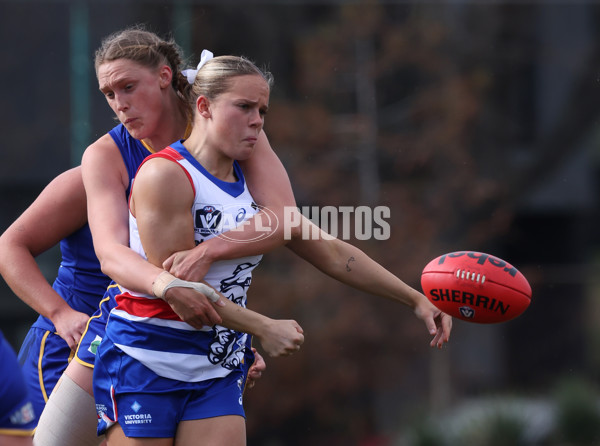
x=15, y=440
x=116, y=437
x=228, y=430
x=81, y=375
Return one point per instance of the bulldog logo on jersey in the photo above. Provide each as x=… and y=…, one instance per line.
x=207, y=220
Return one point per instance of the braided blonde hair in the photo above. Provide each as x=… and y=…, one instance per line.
x=147, y=49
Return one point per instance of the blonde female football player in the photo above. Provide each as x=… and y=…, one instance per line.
x=147, y=98
x=189, y=381
x=175, y=193
x=66, y=306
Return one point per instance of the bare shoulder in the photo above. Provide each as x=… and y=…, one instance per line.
x=103, y=166
x=103, y=150
x=161, y=171
x=162, y=176
x=162, y=183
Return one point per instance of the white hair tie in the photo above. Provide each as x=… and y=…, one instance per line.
x=190, y=74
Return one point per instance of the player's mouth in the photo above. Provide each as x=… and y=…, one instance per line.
x=129, y=121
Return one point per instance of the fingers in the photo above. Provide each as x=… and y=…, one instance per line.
x=447, y=325
x=287, y=350
x=442, y=334
x=72, y=343
x=213, y=316
x=205, y=316
x=167, y=264
x=257, y=369
x=298, y=328
x=253, y=376
x=298, y=341
x=194, y=323
x=254, y=373
x=431, y=326
x=434, y=330
x=251, y=381
x=72, y=336
x=284, y=346
x=259, y=362
x=438, y=340
x=290, y=350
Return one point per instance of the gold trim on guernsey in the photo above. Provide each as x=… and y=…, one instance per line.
x=91, y=366
x=188, y=132
x=17, y=432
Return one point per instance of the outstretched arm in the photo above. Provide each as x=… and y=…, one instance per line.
x=161, y=201
x=270, y=186
x=57, y=212
x=350, y=265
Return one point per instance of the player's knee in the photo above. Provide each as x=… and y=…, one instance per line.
x=69, y=418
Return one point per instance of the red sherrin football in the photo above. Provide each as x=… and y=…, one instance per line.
x=476, y=287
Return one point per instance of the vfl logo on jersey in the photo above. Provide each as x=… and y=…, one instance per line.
x=208, y=220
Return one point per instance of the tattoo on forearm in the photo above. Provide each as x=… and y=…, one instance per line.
x=351, y=259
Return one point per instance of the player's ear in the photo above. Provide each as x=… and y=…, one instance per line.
x=203, y=106
x=165, y=75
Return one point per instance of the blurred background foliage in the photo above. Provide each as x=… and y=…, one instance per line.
x=475, y=122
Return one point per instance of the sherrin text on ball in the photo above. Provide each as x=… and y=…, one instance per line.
x=476, y=287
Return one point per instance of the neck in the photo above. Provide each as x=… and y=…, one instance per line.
x=173, y=127
x=212, y=160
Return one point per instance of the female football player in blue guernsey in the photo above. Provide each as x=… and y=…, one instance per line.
x=73, y=407
x=17, y=419
x=189, y=382
x=192, y=178
x=66, y=306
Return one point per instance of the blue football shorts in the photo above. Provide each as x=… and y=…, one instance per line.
x=96, y=328
x=147, y=405
x=43, y=356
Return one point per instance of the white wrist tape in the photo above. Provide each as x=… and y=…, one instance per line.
x=166, y=280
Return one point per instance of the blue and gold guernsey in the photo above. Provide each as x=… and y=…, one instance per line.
x=145, y=337
x=80, y=282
